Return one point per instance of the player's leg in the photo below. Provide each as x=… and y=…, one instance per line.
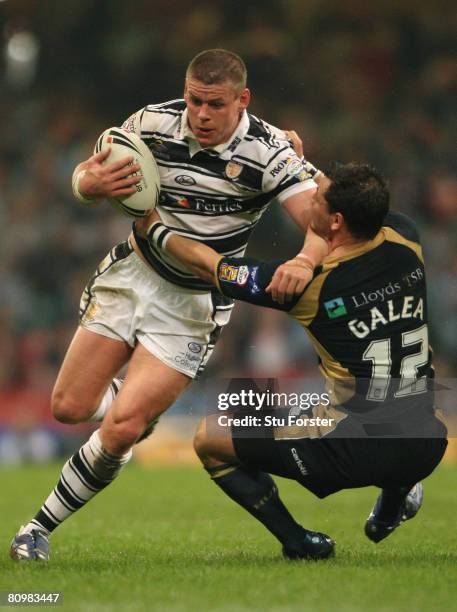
x=103, y=343
x=127, y=300
x=85, y=380
x=150, y=387
x=404, y=461
x=256, y=491
x=85, y=384
x=393, y=506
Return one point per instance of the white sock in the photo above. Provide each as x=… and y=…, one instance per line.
x=107, y=400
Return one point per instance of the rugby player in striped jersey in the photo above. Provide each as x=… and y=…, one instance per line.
x=220, y=167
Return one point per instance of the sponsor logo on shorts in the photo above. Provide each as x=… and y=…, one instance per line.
x=187, y=360
x=301, y=466
x=184, y=179
x=335, y=308
x=194, y=347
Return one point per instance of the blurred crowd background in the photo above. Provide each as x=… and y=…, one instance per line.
x=358, y=80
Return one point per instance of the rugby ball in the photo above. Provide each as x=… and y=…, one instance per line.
x=123, y=144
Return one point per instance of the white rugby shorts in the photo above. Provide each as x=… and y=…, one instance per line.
x=127, y=300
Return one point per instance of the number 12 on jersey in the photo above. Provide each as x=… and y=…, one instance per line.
x=379, y=353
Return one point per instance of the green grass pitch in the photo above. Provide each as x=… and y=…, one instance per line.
x=168, y=539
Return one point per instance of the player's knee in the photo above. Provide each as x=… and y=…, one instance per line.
x=127, y=428
x=66, y=408
x=203, y=443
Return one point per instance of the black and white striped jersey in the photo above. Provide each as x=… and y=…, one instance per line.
x=216, y=195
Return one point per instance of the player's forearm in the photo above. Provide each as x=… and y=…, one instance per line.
x=298, y=208
x=197, y=257
x=314, y=248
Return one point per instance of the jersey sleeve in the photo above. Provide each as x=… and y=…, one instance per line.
x=287, y=174
x=245, y=279
x=402, y=224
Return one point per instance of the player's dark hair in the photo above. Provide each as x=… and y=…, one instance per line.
x=360, y=194
x=216, y=66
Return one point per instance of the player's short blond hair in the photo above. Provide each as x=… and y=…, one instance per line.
x=216, y=66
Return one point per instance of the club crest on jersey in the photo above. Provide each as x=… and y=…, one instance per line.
x=335, y=308
x=234, y=274
x=233, y=170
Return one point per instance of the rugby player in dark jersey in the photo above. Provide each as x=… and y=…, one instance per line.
x=365, y=311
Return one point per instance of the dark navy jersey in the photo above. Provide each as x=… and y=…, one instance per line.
x=366, y=315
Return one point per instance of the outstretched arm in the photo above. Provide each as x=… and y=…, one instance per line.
x=197, y=257
x=291, y=278
x=240, y=278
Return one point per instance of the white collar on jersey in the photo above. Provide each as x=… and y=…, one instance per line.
x=185, y=133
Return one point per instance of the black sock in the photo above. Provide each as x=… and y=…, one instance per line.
x=391, y=502
x=256, y=491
